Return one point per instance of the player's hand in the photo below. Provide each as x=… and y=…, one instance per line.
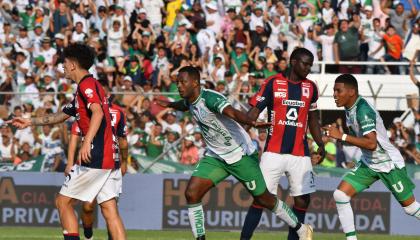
x=67, y=170
x=316, y=159
x=321, y=153
x=261, y=124
x=84, y=153
x=332, y=131
x=20, y=122
x=123, y=168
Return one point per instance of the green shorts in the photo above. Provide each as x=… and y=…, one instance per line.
x=397, y=181
x=246, y=170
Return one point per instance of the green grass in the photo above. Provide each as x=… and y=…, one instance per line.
x=42, y=233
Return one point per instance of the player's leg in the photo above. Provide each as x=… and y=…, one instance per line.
x=354, y=182
x=112, y=218
x=208, y=173
x=401, y=186
x=107, y=200
x=271, y=166
x=302, y=183
x=88, y=218
x=68, y=217
x=248, y=172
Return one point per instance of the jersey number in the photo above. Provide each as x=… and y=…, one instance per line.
x=113, y=119
x=292, y=114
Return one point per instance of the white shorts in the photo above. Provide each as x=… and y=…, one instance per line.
x=298, y=171
x=86, y=184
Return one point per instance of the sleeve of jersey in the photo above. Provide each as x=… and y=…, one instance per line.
x=70, y=109
x=122, y=127
x=314, y=99
x=366, y=118
x=264, y=96
x=90, y=93
x=216, y=102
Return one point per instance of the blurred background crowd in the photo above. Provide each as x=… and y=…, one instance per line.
x=141, y=44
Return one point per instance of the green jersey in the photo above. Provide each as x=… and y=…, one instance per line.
x=225, y=139
x=362, y=118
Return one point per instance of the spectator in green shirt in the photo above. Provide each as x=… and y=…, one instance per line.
x=28, y=17
x=331, y=152
x=155, y=141
x=239, y=56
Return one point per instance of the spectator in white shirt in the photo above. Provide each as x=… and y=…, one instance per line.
x=213, y=18
x=47, y=51
x=78, y=35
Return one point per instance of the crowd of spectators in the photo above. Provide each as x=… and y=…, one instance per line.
x=141, y=44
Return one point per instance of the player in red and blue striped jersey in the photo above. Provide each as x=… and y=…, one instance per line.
x=291, y=104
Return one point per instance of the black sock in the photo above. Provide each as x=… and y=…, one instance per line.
x=71, y=236
x=251, y=222
x=300, y=214
x=88, y=232
x=109, y=235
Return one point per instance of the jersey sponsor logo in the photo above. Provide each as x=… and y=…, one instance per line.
x=260, y=98
x=280, y=82
x=89, y=93
x=291, y=123
x=251, y=185
x=280, y=94
x=305, y=92
x=291, y=116
x=293, y=103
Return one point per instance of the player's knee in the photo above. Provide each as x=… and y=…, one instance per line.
x=60, y=202
x=302, y=201
x=340, y=196
x=88, y=208
x=191, y=195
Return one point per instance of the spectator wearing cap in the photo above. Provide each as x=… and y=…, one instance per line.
x=154, y=9
x=376, y=48
x=47, y=51
x=121, y=17
x=28, y=17
x=61, y=19
x=327, y=12
x=213, y=17
x=399, y=17
x=134, y=70
x=257, y=18
x=167, y=118
x=259, y=37
x=327, y=42
x=23, y=39
x=60, y=43
x=190, y=154
x=239, y=56
x=36, y=37
x=160, y=63
x=31, y=91
x=234, y=5
x=78, y=35
x=42, y=19
x=306, y=15
x=346, y=47
x=216, y=70
x=171, y=148
x=116, y=35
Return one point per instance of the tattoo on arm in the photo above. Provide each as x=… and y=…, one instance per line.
x=49, y=119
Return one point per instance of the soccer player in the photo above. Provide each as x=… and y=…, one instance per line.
x=119, y=123
x=98, y=175
x=291, y=103
x=380, y=159
x=230, y=151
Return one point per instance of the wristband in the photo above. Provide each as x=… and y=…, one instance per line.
x=344, y=137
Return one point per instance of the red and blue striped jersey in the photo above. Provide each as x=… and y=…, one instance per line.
x=288, y=104
x=104, y=152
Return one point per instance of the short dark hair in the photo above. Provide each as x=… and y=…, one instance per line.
x=192, y=72
x=299, y=52
x=348, y=80
x=80, y=53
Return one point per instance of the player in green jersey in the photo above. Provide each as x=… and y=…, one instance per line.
x=230, y=151
x=380, y=159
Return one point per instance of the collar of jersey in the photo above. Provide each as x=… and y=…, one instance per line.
x=199, y=97
x=355, y=103
x=86, y=76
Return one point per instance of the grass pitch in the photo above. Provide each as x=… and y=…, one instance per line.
x=42, y=233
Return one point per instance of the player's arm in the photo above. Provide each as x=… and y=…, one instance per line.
x=94, y=124
x=242, y=117
x=368, y=141
x=253, y=114
x=71, y=153
x=315, y=129
x=179, y=105
x=53, y=118
x=123, y=143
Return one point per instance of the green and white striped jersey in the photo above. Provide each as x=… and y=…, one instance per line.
x=225, y=139
x=362, y=118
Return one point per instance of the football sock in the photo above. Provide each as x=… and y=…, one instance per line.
x=300, y=214
x=286, y=214
x=71, y=236
x=413, y=209
x=251, y=221
x=196, y=216
x=87, y=231
x=345, y=214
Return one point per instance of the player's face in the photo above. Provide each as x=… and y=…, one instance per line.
x=185, y=85
x=302, y=66
x=68, y=67
x=342, y=94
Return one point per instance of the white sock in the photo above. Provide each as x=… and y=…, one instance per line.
x=196, y=216
x=413, y=210
x=345, y=214
x=285, y=213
